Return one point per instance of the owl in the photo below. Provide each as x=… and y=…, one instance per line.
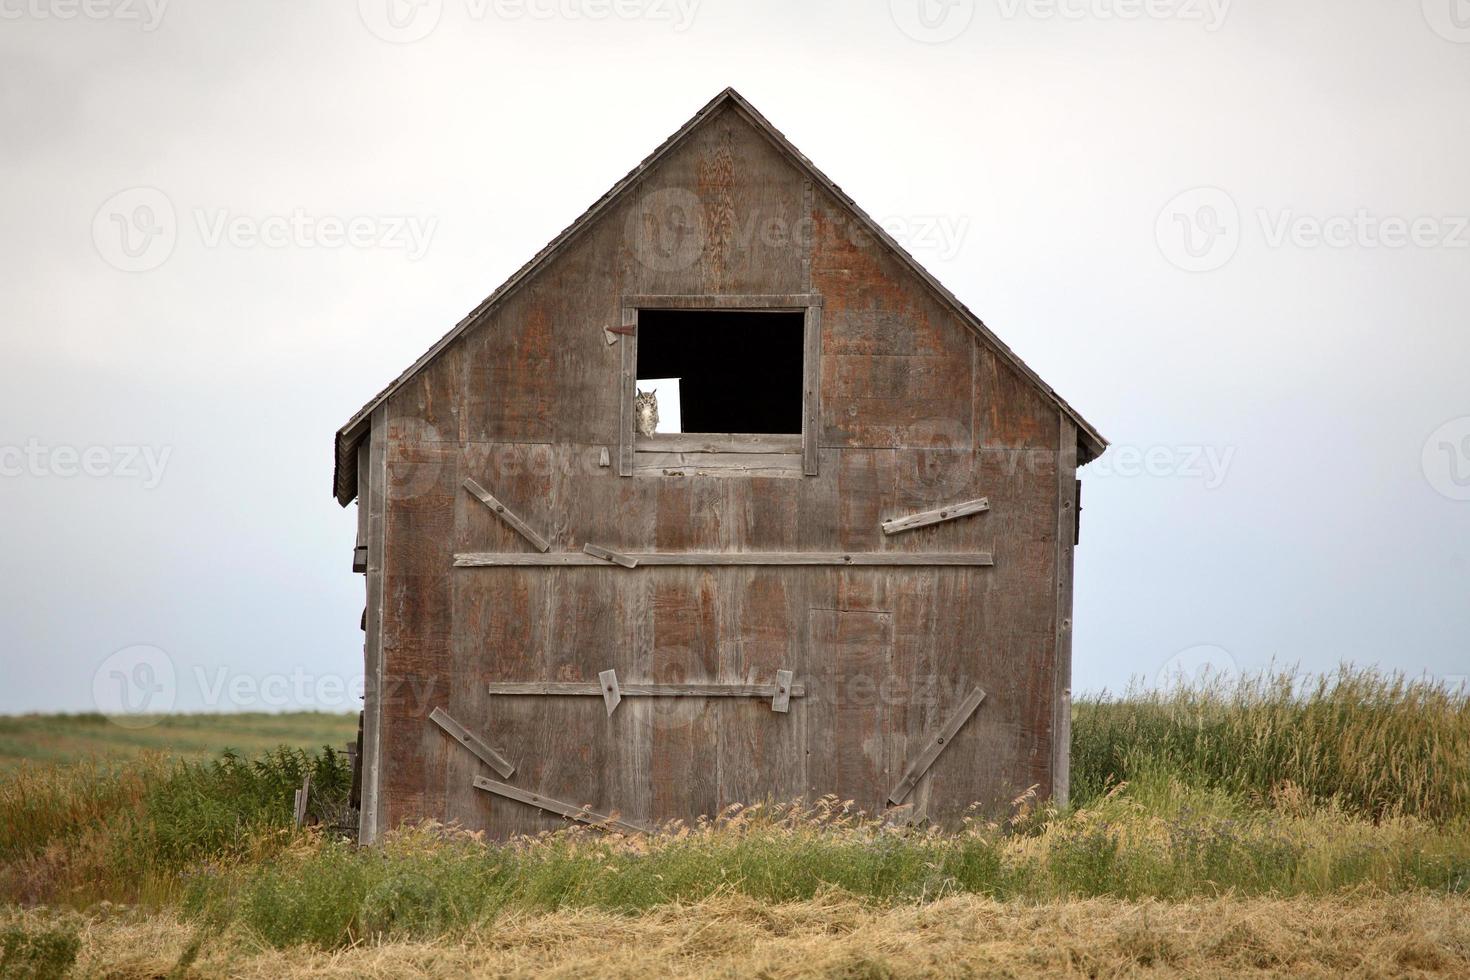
x=645, y=411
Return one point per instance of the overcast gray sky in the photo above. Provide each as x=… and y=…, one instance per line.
x=1234, y=235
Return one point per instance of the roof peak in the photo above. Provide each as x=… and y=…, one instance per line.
x=351, y=434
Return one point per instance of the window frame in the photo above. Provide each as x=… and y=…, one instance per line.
x=723, y=448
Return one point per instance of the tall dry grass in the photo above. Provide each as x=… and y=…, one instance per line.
x=1358, y=782
x=1377, y=744
x=127, y=830
x=1156, y=841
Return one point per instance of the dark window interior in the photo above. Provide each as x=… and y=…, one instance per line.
x=739, y=370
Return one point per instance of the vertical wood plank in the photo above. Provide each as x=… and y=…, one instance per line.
x=858, y=733
x=628, y=353
x=1061, y=755
x=373, y=481
x=811, y=399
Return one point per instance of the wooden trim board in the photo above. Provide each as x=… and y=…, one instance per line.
x=607, y=554
x=879, y=559
x=592, y=689
x=373, y=463
x=775, y=302
x=898, y=525
x=718, y=442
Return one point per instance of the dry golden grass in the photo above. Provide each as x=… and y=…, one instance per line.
x=834, y=936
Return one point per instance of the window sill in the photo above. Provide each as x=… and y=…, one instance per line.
x=718, y=454
x=719, y=443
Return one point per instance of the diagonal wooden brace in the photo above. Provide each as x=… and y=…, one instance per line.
x=507, y=515
x=579, y=814
x=936, y=745
x=900, y=524
x=473, y=742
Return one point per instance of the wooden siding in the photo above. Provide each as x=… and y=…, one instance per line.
x=915, y=412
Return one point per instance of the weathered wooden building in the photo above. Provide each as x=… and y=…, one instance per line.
x=848, y=573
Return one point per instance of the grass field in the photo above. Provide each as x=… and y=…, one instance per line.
x=49, y=739
x=1262, y=829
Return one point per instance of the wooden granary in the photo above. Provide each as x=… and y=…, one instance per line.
x=841, y=564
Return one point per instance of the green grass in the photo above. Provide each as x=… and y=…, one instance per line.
x=1166, y=842
x=1357, y=783
x=51, y=739
x=1377, y=744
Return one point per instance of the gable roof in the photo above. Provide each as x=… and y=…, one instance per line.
x=1090, y=442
